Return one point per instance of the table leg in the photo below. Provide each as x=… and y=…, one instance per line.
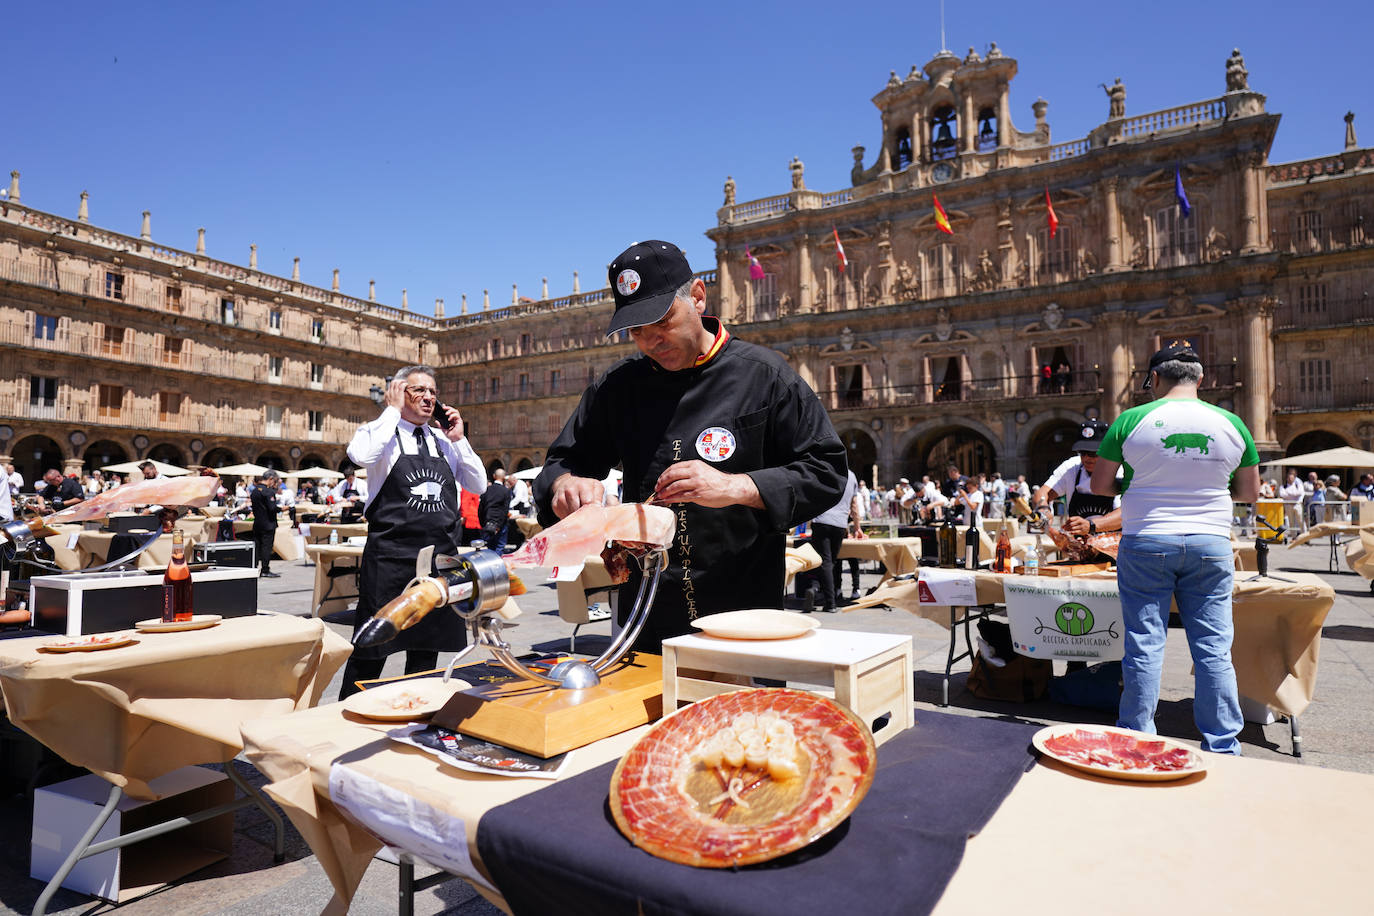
x=949, y=659
x=1296, y=736
x=273, y=815
x=405, y=891
x=1333, y=561
x=78, y=851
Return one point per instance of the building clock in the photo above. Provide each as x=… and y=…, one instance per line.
x=942, y=172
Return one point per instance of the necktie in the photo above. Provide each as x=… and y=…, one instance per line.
x=420, y=440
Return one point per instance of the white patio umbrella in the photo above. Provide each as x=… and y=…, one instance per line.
x=531, y=473
x=243, y=470
x=1343, y=457
x=132, y=467
x=315, y=474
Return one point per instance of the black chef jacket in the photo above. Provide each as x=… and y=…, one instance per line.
x=743, y=411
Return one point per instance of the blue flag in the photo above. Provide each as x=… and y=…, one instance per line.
x=1184, y=208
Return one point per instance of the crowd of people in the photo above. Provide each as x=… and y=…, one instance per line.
x=966, y=498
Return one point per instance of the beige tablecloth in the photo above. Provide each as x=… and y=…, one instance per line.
x=528, y=527
x=1235, y=858
x=93, y=549
x=327, y=558
x=898, y=556
x=1325, y=529
x=320, y=531
x=1277, y=630
x=1359, y=553
x=133, y=713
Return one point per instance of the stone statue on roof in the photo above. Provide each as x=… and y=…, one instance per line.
x=798, y=182
x=1237, y=77
x=1116, y=99
x=729, y=191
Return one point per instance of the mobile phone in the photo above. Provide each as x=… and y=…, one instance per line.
x=441, y=415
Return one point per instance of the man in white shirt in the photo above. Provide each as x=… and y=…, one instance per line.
x=1292, y=494
x=15, y=480
x=998, y=507
x=415, y=472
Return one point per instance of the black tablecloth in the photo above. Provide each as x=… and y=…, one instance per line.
x=558, y=851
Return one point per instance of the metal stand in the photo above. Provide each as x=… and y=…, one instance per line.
x=407, y=885
x=1262, y=552
x=1295, y=735
x=969, y=616
x=84, y=848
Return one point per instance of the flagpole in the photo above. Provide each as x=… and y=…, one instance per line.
x=943, y=49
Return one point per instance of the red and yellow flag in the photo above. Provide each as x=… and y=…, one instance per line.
x=1049, y=214
x=941, y=218
x=839, y=250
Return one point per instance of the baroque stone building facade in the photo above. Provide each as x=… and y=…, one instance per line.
x=927, y=348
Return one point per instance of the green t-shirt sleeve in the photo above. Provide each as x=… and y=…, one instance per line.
x=1115, y=437
x=1251, y=455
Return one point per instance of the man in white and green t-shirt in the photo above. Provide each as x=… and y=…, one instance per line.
x=1181, y=456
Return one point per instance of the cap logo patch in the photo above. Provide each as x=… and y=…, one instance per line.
x=1089, y=432
x=716, y=444
x=627, y=281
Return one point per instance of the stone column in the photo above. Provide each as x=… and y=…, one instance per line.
x=1004, y=117
x=72, y=466
x=371, y=290
x=200, y=240
x=1116, y=380
x=1257, y=371
x=1251, y=175
x=544, y=291
x=918, y=134
x=252, y=257
x=14, y=187
x=1006, y=247
x=966, y=126
x=296, y=269
x=803, y=359
x=145, y=232
x=334, y=284
x=725, y=291
x=804, y=278
x=405, y=300
x=83, y=212
x=1112, y=229
x=577, y=284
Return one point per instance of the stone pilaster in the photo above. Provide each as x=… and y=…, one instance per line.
x=1116, y=381
x=725, y=289
x=1255, y=405
x=1251, y=173
x=966, y=125
x=804, y=278
x=1112, y=229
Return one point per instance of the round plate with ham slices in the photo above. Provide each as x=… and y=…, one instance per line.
x=1118, y=753
x=742, y=777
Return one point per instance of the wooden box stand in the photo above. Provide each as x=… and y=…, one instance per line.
x=870, y=672
x=546, y=721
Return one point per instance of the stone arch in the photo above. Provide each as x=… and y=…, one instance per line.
x=1048, y=440
x=220, y=457
x=272, y=460
x=524, y=464
x=495, y=464
x=1314, y=440
x=930, y=445
x=33, y=455
x=103, y=452
x=312, y=461
x=861, y=451
x=167, y=453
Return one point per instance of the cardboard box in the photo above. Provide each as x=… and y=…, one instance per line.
x=65, y=811
x=79, y=604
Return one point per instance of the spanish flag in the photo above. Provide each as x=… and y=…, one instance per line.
x=1049, y=214
x=941, y=218
x=839, y=250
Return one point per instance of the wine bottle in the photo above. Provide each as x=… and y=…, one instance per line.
x=972, y=545
x=1002, y=555
x=176, y=584
x=947, y=539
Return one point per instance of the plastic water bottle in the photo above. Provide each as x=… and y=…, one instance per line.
x=334, y=537
x=1032, y=560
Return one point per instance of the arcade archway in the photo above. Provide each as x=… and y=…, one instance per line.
x=102, y=453
x=861, y=453
x=1047, y=449
x=220, y=457
x=167, y=454
x=1316, y=440
x=272, y=460
x=968, y=450
x=33, y=455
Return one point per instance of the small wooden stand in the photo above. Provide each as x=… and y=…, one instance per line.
x=871, y=672
x=1061, y=570
x=546, y=721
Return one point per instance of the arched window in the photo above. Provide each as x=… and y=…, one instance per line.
x=987, y=130
x=944, y=133
x=901, y=150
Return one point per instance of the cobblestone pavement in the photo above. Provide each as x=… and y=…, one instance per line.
x=1336, y=733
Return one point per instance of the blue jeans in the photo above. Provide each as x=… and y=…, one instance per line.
x=1195, y=570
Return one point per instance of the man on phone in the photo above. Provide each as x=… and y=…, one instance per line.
x=414, y=473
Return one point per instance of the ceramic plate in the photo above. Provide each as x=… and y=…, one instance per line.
x=92, y=643
x=197, y=622
x=404, y=700
x=760, y=623
x=1118, y=753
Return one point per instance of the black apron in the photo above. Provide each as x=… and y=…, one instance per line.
x=416, y=506
x=1088, y=505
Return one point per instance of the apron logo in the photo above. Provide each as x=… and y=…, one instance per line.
x=716, y=444
x=424, y=490
x=627, y=282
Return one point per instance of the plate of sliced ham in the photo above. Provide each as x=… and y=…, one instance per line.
x=742, y=777
x=1118, y=753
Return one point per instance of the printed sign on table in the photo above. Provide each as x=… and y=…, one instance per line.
x=1076, y=620
x=946, y=587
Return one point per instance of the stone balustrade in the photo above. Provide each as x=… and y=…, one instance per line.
x=1212, y=110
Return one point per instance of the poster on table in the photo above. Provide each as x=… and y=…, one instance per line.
x=1075, y=620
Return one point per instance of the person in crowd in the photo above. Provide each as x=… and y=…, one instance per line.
x=722, y=431
x=286, y=499
x=998, y=507
x=60, y=492
x=827, y=534
x=8, y=507
x=1292, y=494
x=1316, y=499
x=263, y=500
x=1334, y=494
x=469, y=505
x=865, y=499
x=167, y=519
x=94, y=484
x=1269, y=489
x=970, y=503
x=1364, y=489
x=1176, y=542
x=350, y=495
x=112, y=481
x=953, y=484
x=307, y=493
x=1087, y=513
x=415, y=472
x=521, y=497
x=14, y=479
x=494, y=511
x=150, y=471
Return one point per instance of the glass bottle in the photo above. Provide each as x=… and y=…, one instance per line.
x=176, y=584
x=972, y=546
x=1001, y=561
x=947, y=539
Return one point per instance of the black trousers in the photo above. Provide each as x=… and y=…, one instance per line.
x=368, y=669
x=263, y=538
x=827, y=539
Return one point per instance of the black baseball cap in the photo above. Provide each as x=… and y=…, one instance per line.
x=644, y=278
x=1090, y=436
x=1180, y=350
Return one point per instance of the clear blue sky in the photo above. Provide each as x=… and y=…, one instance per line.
x=447, y=147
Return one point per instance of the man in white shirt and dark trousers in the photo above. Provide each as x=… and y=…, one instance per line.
x=827, y=534
x=414, y=472
x=1184, y=461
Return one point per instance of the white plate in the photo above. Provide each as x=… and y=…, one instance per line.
x=404, y=700
x=1195, y=764
x=197, y=622
x=93, y=643
x=759, y=623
